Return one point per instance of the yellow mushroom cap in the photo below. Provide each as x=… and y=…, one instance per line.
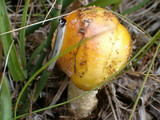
x=106, y=50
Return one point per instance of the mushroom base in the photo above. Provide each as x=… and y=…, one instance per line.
x=82, y=106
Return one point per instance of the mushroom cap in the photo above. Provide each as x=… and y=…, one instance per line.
x=106, y=47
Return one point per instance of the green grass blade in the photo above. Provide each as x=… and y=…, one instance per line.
x=150, y=44
x=144, y=82
x=35, y=53
x=13, y=63
x=42, y=82
x=0, y=56
x=47, y=46
x=31, y=29
x=116, y=5
x=104, y=3
x=50, y=36
x=66, y=3
x=133, y=9
x=5, y=101
x=39, y=87
x=22, y=35
x=46, y=73
x=44, y=6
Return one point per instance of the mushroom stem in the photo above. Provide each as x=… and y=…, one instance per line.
x=83, y=106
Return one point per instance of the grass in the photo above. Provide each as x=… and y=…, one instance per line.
x=21, y=68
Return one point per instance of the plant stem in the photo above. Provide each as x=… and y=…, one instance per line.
x=47, y=45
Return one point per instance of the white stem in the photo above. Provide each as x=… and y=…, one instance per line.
x=82, y=106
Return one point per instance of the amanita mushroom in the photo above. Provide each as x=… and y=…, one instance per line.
x=106, y=50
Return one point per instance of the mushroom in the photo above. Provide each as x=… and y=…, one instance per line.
x=106, y=50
